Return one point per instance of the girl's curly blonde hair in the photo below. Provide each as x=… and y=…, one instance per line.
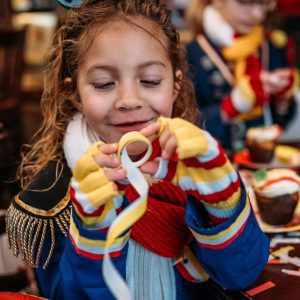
x=70, y=43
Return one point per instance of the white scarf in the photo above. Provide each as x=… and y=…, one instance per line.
x=216, y=28
x=149, y=276
x=78, y=138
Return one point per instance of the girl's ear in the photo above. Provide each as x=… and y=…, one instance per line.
x=71, y=94
x=75, y=99
x=177, y=85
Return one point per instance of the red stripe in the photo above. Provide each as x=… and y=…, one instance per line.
x=118, y=210
x=97, y=212
x=282, y=178
x=228, y=108
x=215, y=162
x=185, y=273
x=217, y=220
x=228, y=242
x=92, y=255
x=253, y=70
x=218, y=196
x=105, y=229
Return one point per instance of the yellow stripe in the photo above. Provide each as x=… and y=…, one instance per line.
x=108, y=206
x=246, y=89
x=96, y=243
x=203, y=175
x=191, y=257
x=245, y=45
x=239, y=70
x=254, y=113
x=226, y=231
x=282, y=250
x=227, y=203
x=133, y=213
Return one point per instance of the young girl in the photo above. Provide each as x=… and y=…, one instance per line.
x=241, y=72
x=117, y=67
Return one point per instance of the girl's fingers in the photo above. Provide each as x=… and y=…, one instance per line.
x=107, y=161
x=168, y=144
x=152, y=129
x=115, y=174
x=108, y=148
x=165, y=136
x=169, y=148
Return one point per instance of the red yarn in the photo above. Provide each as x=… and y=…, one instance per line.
x=162, y=229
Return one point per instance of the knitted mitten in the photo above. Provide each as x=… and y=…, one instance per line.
x=203, y=169
x=94, y=197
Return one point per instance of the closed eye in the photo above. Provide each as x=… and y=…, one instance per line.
x=104, y=85
x=151, y=83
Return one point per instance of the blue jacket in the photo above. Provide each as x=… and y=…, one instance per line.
x=40, y=221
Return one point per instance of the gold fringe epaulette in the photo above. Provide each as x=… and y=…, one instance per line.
x=27, y=226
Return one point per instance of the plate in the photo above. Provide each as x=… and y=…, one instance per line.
x=242, y=159
x=293, y=225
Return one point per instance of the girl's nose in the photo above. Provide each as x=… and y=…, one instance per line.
x=128, y=99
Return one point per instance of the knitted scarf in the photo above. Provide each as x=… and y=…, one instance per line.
x=235, y=48
x=161, y=232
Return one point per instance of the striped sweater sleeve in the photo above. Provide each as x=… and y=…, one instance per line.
x=202, y=170
x=234, y=250
x=96, y=204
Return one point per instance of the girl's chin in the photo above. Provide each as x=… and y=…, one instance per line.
x=245, y=29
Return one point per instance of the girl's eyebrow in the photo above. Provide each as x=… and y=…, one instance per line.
x=112, y=69
x=151, y=63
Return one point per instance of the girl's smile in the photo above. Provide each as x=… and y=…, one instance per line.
x=132, y=125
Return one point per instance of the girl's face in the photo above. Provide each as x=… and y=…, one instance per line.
x=125, y=81
x=243, y=15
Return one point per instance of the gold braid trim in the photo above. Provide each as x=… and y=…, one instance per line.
x=26, y=234
x=63, y=203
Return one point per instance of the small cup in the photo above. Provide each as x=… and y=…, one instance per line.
x=277, y=195
x=278, y=210
x=261, y=152
x=261, y=143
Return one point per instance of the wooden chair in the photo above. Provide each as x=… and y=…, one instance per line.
x=12, y=43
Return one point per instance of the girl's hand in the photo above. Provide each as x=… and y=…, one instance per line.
x=93, y=186
x=276, y=81
x=167, y=143
x=110, y=162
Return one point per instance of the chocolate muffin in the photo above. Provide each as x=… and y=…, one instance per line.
x=261, y=142
x=277, y=195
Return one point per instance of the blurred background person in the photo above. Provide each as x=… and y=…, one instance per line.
x=243, y=73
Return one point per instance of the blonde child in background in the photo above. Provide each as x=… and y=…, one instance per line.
x=244, y=75
x=117, y=67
